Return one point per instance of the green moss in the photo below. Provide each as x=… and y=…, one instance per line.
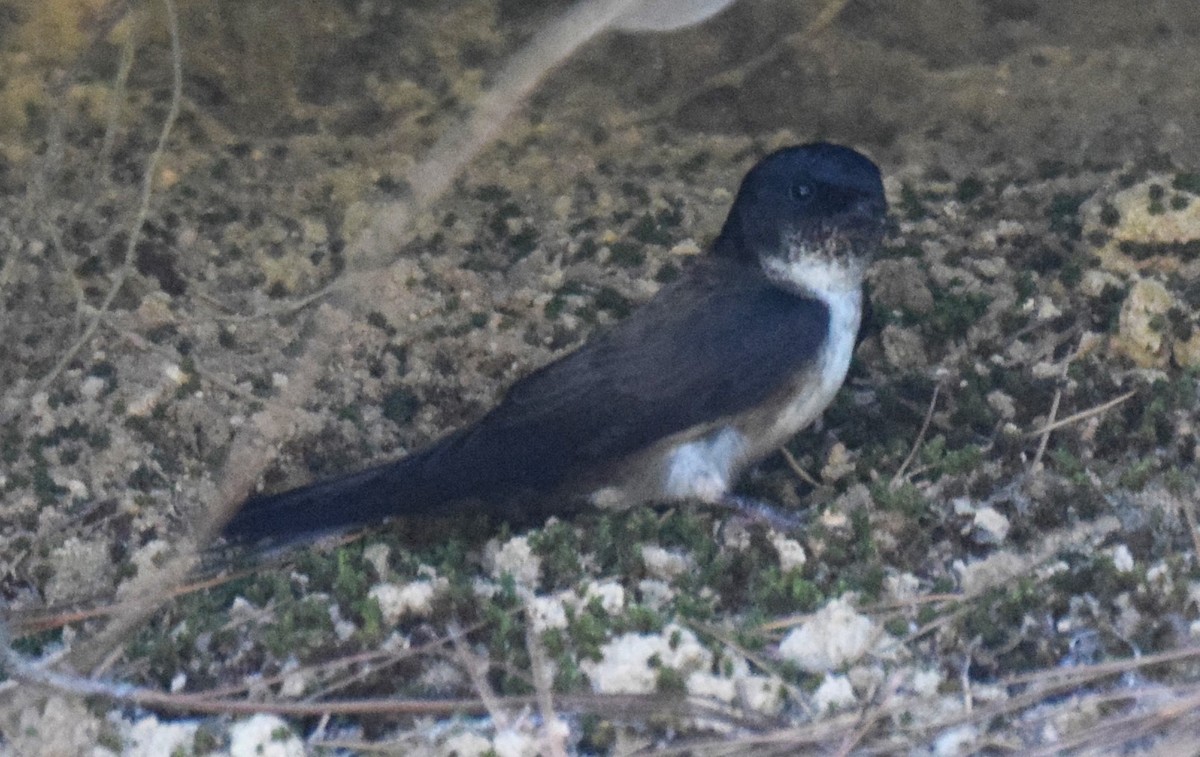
x=350, y=412
x=492, y=193
x=696, y=162
x=627, y=254
x=1185, y=251
x=955, y=313
x=613, y=301
x=905, y=499
x=1051, y=169
x=1109, y=215
x=400, y=406
x=377, y=320
x=969, y=189
x=907, y=250
x=11, y=443
x=524, y=241
x=589, y=633
x=1136, y=475
x=945, y=461
x=1094, y=574
x=143, y=478
x=36, y=644
x=911, y=205
x=350, y=579
x=1063, y=213
x=648, y=230
x=667, y=273
x=1068, y=465
x=636, y=192
x=669, y=681
x=558, y=546
x=1026, y=285
x=897, y=627
x=1187, y=182
x=640, y=619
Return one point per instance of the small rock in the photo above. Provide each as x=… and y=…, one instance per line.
x=516, y=558
x=990, y=526
x=902, y=285
x=1187, y=351
x=1002, y=403
x=1142, y=324
x=264, y=736
x=791, y=552
x=838, y=464
x=835, y=635
x=664, y=563
x=834, y=693
x=903, y=348
x=1140, y=220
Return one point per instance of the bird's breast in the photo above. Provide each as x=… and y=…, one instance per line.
x=704, y=462
x=815, y=389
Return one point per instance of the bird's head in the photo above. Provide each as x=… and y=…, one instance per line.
x=811, y=216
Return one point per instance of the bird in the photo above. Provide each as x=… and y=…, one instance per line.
x=718, y=369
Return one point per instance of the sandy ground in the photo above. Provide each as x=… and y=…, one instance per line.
x=1044, y=262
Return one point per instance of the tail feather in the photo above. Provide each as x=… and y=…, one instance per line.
x=404, y=487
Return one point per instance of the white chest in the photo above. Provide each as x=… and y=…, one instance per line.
x=813, y=396
x=706, y=467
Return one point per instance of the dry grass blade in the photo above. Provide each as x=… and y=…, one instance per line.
x=143, y=210
x=476, y=670
x=916, y=447
x=1189, y=516
x=1045, y=436
x=794, y=464
x=25, y=624
x=1083, y=414
x=553, y=729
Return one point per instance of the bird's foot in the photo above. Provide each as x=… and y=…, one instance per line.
x=758, y=511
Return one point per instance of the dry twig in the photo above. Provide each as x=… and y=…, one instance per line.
x=1041, y=450
x=916, y=447
x=143, y=211
x=553, y=730
x=1083, y=414
x=794, y=464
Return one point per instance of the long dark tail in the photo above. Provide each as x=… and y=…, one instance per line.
x=425, y=483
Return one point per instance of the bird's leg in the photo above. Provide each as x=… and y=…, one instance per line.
x=759, y=511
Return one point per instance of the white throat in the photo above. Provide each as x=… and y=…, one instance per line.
x=826, y=280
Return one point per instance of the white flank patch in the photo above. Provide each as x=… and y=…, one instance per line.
x=703, y=468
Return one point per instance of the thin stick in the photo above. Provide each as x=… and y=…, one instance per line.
x=1189, y=515
x=912, y=454
x=40, y=675
x=802, y=474
x=1083, y=414
x=1045, y=440
x=143, y=211
x=870, y=717
x=474, y=668
x=539, y=666
x=92, y=652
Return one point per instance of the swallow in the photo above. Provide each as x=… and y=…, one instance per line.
x=720, y=368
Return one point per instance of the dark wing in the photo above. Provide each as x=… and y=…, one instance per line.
x=719, y=341
x=715, y=343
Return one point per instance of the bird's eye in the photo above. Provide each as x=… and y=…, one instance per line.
x=800, y=191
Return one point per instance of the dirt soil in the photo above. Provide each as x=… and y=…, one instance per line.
x=966, y=579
